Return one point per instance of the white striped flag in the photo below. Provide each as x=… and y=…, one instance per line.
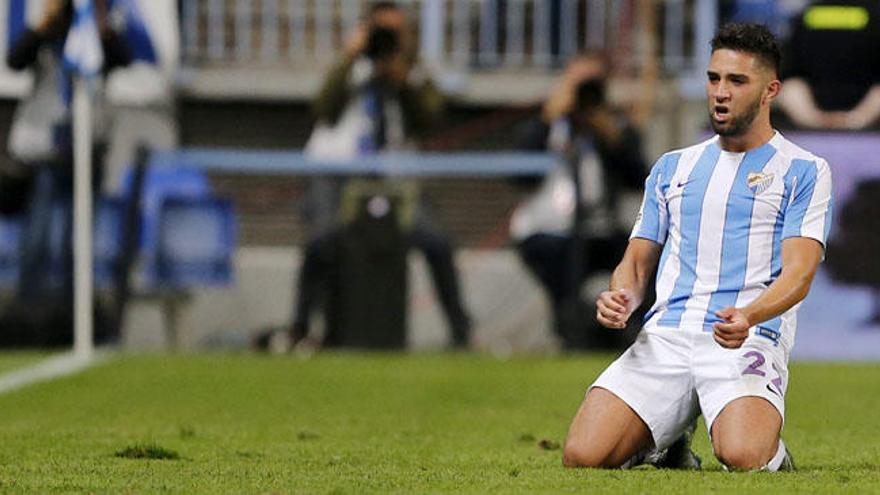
x=83, y=54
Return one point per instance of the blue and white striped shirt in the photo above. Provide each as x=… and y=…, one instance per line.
x=721, y=218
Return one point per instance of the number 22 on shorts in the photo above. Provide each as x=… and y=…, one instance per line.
x=755, y=368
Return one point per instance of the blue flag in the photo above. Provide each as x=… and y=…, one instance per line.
x=83, y=54
x=15, y=20
x=136, y=33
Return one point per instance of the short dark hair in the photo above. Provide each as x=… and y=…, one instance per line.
x=752, y=38
x=382, y=5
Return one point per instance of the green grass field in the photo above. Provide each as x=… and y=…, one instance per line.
x=351, y=423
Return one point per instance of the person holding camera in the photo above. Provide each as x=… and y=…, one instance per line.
x=568, y=229
x=374, y=99
x=41, y=141
x=379, y=59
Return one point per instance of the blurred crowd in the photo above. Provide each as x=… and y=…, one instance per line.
x=377, y=97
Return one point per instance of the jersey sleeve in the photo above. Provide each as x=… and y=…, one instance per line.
x=809, y=209
x=651, y=222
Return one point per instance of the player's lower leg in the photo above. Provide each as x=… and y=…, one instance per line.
x=745, y=435
x=605, y=433
x=678, y=455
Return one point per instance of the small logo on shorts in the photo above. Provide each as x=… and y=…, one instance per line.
x=759, y=182
x=771, y=389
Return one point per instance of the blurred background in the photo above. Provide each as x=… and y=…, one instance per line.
x=253, y=195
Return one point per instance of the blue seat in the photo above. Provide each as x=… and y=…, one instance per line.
x=161, y=180
x=107, y=240
x=9, y=232
x=56, y=241
x=106, y=244
x=197, y=240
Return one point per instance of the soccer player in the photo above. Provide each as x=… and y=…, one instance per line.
x=736, y=227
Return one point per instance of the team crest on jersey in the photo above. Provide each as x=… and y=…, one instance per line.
x=759, y=182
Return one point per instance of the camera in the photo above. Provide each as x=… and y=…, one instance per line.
x=589, y=94
x=382, y=43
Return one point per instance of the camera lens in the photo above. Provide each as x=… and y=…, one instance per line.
x=381, y=43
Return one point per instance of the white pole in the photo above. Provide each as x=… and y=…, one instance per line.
x=83, y=343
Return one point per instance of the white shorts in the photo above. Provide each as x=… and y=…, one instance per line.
x=669, y=375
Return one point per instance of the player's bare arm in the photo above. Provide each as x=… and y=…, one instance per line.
x=800, y=259
x=628, y=283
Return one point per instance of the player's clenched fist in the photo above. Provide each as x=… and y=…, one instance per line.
x=614, y=307
x=733, y=330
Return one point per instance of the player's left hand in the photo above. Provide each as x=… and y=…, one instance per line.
x=733, y=330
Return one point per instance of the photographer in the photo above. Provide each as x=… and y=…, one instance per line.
x=374, y=99
x=380, y=57
x=567, y=231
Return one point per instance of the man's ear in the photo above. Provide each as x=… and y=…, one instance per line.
x=773, y=88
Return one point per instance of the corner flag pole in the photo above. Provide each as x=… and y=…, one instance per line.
x=83, y=328
x=84, y=58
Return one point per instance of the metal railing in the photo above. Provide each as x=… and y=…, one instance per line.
x=470, y=35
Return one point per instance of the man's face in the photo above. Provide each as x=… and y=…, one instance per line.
x=736, y=86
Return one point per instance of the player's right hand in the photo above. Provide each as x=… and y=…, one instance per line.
x=614, y=307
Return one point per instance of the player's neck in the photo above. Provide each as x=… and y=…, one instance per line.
x=757, y=135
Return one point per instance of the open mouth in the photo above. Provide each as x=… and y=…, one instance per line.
x=721, y=113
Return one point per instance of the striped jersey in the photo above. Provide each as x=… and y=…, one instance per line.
x=721, y=218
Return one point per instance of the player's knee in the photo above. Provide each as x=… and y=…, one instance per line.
x=580, y=455
x=741, y=455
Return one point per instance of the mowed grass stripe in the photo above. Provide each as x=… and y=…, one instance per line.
x=355, y=423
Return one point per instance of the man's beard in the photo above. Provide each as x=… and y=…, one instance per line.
x=737, y=126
